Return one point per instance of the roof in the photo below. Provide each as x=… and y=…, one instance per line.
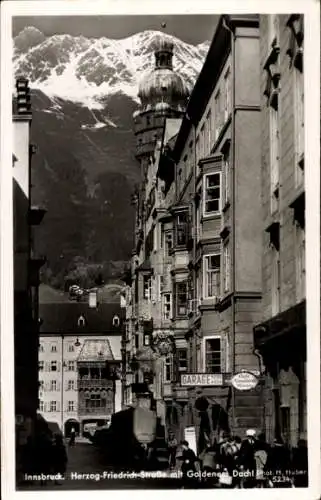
x=78, y=318
x=96, y=350
x=211, y=70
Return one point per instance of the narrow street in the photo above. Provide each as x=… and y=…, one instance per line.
x=86, y=471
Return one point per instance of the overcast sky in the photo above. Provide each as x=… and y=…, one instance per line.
x=192, y=29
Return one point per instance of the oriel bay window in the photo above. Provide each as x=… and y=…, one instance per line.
x=213, y=355
x=181, y=360
x=147, y=287
x=167, y=306
x=212, y=194
x=181, y=229
x=211, y=280
x=181, y=298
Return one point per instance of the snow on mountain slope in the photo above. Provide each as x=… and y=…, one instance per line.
x=86, y=70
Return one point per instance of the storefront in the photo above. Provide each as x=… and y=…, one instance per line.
x=282, y=344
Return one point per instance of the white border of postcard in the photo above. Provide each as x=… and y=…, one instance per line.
x=311, y=9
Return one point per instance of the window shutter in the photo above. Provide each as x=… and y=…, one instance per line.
x=58, y=366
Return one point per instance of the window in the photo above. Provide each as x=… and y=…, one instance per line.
x=70, y=366
x=41, y=348
x=227, y=94
x=212, y=193
x=71, y=406
x=146, y=339
x=212, y=265
x=53, y=366
x=41, y=366
x=181, y=298
x=299, y=126
x=168, y=371
x=227, y=178
x=167, y=301
x=274, y=159
x=226, y=268
x=94, y=401
x=181, y=229
x=275, y=284
x=41, y=406
x=202, y=142
x=71, y=347
x=213, y=355
x=209, y=132
x=70, y=385
x=168, y=242
x=53, y=385
x=218, y=113
x=53, y=405
x=54, y=348
x=137, y=340
x=161, y=285
x=147, y=283
x=300, y=262
x=41, y=384
x=182, y=360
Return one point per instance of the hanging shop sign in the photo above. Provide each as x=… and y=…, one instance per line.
x=244, y=381
x=201, y=379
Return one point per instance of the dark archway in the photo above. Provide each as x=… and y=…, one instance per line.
x=72, y=423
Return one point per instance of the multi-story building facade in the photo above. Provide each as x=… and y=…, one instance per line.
x=163, y=97
x=26, y=272
x=217, y=155
x=281, y=335
x=197, y=263
x=79, y=363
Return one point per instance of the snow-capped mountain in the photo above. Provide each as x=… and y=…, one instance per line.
x=86, y=70
x=83, y=93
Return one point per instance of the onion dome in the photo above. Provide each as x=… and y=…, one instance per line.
x=163, y=84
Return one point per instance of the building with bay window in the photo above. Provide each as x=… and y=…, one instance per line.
x=217, y=157
x=79, y=363
x=283, y=322
x=194, y=291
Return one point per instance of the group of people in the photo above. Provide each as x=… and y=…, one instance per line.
x=235, y=463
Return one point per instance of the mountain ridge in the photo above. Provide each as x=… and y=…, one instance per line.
x=84, y=92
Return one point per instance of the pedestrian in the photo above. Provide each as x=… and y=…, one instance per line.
x=246, y=460
x=59, y=456
x=172, y=447
x=278, y=465
x=209, y=460
x=189, y=467
x=72, y=438
x=300, y=465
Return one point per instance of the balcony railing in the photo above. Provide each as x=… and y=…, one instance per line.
x=95, y=411
x=97, y=382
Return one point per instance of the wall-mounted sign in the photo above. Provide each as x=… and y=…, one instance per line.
x=202, y=379
x=163, y=342
x=244, y=381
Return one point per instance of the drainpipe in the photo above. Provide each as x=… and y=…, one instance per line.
x=259, y=356
x=232, y=163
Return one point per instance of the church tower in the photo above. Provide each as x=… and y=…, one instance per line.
x=163, y=94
